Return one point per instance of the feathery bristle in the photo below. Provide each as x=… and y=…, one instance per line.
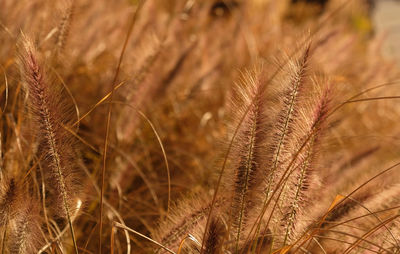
x=365, y=212
x=284, y=122
x=64, y=28
x=25, y=232
x=126, y=130
x=282, y=140
x=55, y=143
x=304, y=178
x=189, y=216
x=10, y=198
x=214, y=237
x=217, y=135
x=247, y=155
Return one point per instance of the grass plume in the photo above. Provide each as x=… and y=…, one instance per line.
x=64, y=28
x=10, y=197
x=25, y=233
x=284, y=121
x=54, y=141
x=304, y=181
x=266, y=125
x=247, y=154
x=215, y=236
x=186, y=219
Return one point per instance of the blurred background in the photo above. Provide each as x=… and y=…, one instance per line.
x=386, y=17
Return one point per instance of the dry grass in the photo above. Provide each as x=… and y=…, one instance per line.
x=187, y=126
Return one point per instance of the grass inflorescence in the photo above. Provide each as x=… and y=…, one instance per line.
x=189, y=126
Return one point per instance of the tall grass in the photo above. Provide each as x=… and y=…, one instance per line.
x=196, y=127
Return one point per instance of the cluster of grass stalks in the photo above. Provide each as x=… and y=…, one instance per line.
x=188, y=126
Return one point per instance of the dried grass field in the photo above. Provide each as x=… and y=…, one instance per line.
x=194, y=126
